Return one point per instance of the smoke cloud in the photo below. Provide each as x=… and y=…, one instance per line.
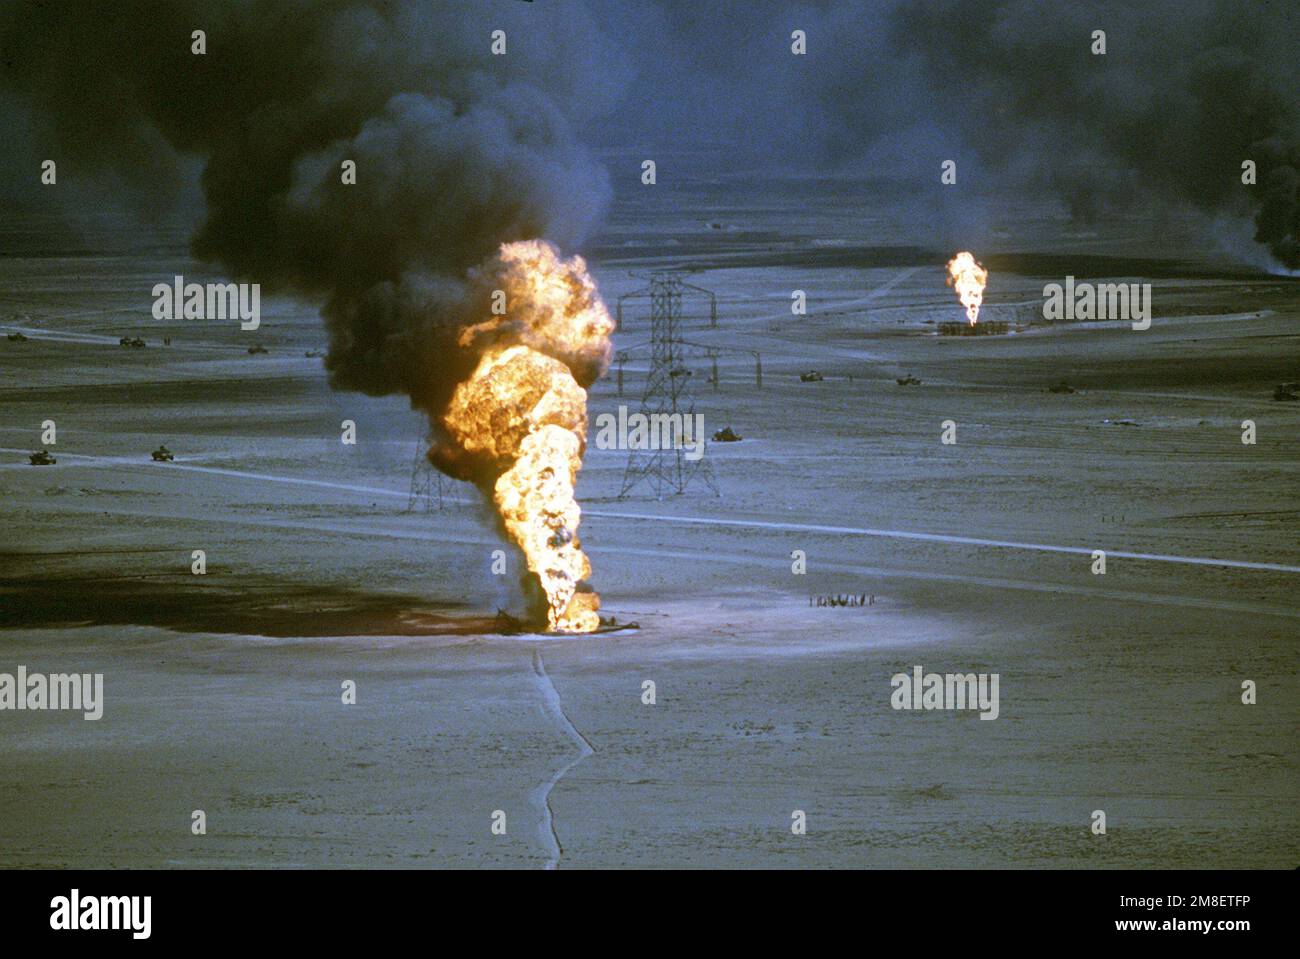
x=1186, y=91
x=1183, y=95
x=457, y=151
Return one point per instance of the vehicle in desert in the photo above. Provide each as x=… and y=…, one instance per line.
x=257, y=348
x=727, y=435
x=16, y=337
x=1061, y=387
x=132, y=341
x=908, y=380
x=42, y=458
x=162, y=455
x=812, y=376
x=1287, y=392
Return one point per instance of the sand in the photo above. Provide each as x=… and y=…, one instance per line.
x=1119, y=692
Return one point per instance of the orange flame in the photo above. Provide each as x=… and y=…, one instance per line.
x=523, y=414
x=968, y=278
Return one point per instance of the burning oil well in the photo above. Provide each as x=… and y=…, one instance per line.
x=987, y=328
x=516, y=426
x=375, y=159
x=969, y=278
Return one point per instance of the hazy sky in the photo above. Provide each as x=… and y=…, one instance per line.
x=1010, y=89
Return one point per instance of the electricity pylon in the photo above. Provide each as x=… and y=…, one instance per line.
x=667, y=393
x=428, y=485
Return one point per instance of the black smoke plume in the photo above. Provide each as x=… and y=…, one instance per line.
x=1186, y=91
x=456, y=150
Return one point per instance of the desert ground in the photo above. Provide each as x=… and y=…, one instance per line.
x=1118, y=692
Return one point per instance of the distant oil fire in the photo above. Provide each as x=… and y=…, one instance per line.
x=968, y=278
x=521, y=417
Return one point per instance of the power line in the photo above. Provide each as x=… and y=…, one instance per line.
x=428, y=485
x=667, y=392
